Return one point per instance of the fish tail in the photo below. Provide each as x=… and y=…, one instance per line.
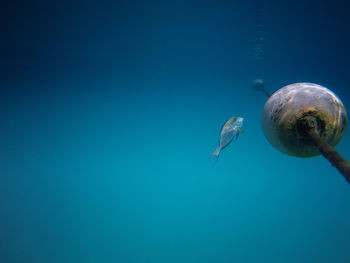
x=216, y=154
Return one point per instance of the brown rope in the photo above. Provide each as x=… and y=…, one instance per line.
x=335, y=158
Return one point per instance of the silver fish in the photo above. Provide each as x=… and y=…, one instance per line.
x=231, y=129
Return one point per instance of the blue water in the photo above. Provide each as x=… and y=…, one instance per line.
x=109, y=112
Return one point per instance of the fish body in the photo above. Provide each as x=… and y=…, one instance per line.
x=229, y=131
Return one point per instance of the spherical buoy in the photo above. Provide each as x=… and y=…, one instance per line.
x=289, y=108
x=258, y=84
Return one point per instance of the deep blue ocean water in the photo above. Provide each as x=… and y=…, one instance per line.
x=109, y=112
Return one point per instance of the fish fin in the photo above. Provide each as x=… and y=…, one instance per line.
x=240, y=130
x=237, y=135
x=216, y=154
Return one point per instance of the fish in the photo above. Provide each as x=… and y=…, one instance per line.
x=229, y=131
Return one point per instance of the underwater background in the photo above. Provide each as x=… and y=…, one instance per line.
x=110, y=110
